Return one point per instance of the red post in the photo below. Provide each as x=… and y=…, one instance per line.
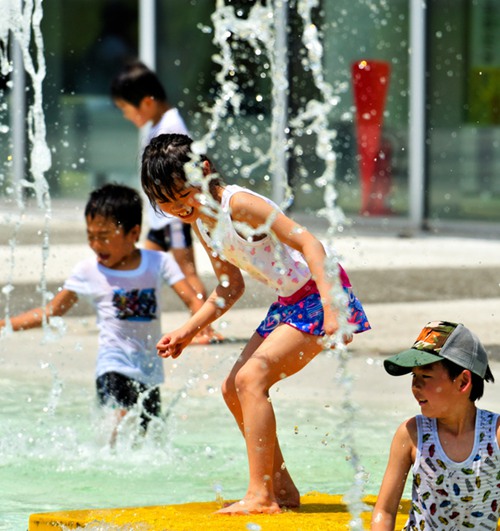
x=371, y=81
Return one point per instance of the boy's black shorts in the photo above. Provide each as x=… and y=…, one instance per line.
x=176, y=235
x=117, y=390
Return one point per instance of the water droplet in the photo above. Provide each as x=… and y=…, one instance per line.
x=7, y=289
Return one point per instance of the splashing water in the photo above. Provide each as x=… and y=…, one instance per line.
x=316, y=115
x=257, y=29
x=260, y=30
x=20, y=27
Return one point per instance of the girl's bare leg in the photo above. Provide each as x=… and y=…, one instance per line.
x=246, y=392
x=285, y=491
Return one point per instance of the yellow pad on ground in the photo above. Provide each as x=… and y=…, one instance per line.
x=321, y=512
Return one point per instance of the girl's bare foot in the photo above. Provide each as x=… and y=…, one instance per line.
x=250, y=505
x=286, y=501
x=286, y=493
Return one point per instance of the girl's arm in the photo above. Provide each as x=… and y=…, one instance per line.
x=255, y=211
x=187, y=295
x=58, y=306
x=401, y=458
x=229, y=289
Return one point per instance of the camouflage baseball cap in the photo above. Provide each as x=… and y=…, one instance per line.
x=438, y=340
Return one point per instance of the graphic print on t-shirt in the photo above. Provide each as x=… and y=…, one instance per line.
x=135, y=304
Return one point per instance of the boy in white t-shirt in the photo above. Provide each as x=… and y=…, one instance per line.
x=141, y=97
x=124, y=284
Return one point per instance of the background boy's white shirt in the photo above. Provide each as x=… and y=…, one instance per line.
x=127, y=344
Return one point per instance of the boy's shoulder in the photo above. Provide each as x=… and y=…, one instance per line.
x=86, y=264
x=410, y=424
x=490, y=417
x=408, y=431
x=162, y=265
x=158, y=260
x=150, y=260
x=155, y=257
x=170, y=122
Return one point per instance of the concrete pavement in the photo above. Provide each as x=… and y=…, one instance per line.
x=402, y=281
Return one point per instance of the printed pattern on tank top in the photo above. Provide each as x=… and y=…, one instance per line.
x=452, y=496
x=267, y=260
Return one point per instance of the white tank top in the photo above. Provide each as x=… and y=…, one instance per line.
x=447, y=495
x=267, y=260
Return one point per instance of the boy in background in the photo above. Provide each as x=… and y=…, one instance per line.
x=141, y=97
x=124, y=284
x=452, y=448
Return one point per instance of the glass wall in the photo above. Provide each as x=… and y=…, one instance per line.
x=185, y=63
x=93, y=144
x=464, y=110
x=87, y=41
x=185, y=53
x=370, y=31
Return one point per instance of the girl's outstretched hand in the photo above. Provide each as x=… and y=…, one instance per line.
x=172, y=344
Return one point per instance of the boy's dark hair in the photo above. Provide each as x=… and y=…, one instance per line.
x=136, y=82
x=162, y=170
x=117, y=202
x=477, y=390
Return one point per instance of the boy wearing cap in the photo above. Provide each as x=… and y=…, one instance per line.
x=452, y=447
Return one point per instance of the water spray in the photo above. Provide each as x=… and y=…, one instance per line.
x=260, y=29
x=20, y=30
